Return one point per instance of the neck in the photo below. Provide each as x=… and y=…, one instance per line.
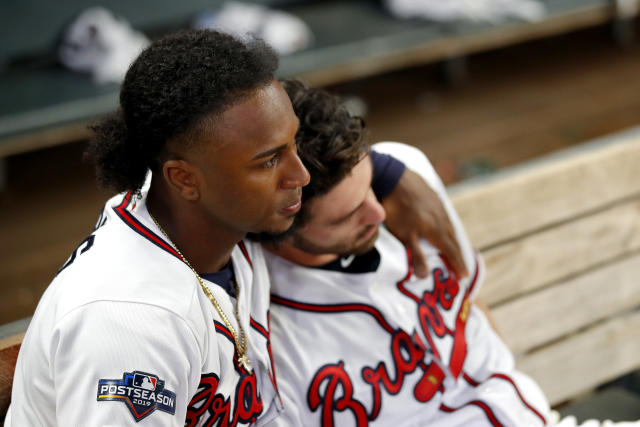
x=206, y=244
x=289, y=252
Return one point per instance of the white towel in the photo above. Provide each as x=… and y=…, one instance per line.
x=285, y=32
x=571, y=421
x=472, y=10
x=101, y=44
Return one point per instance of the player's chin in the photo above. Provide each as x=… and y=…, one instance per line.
x=367, y=244
x=278, y=224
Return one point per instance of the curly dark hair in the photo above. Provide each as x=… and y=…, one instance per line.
x=168, y=91
x=330, y=140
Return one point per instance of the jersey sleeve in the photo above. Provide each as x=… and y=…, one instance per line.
x=291, y=415
x=387, y=171
x=290, y=383
x=416, y=160
x=123, y=363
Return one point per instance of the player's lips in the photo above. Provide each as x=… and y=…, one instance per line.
x=293, y=208
x=370, y=233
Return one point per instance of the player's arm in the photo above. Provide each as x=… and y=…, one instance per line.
x=414, y=211
x=121, y=363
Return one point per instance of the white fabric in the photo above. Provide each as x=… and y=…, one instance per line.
x=571, y=421
x=472, y=10
x=626, y=8
x=285, y=32
x=123, y=305
x=348, y=351
x=99, y=43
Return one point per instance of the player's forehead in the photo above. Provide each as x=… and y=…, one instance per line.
x=345, y=198
x=257, y=124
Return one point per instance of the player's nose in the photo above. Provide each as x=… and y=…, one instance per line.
x=296, y=174
x=374, y=212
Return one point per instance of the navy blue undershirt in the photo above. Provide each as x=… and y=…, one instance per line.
x=387, y=171
x=386, y=174
x=354, y=264
x=226, y=278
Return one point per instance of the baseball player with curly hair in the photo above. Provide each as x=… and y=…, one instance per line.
x=358, y=339
x=160, y=316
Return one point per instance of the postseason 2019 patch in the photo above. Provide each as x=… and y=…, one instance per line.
x=141, y=392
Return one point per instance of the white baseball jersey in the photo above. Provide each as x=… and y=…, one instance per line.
x=361, y=341
x=124, y=335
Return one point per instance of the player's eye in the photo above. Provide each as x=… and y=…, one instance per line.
x=273, y=160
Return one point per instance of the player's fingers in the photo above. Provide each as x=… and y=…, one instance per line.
x=418, y=260
x=447, y=243
x=453, y=254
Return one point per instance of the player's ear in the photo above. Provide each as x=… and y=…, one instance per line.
x=183, y=177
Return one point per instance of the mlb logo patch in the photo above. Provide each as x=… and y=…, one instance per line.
x=145, y=381
x=141, y=392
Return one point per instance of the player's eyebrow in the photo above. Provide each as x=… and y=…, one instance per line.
x=270, y=152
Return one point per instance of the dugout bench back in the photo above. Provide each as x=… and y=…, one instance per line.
x=561, y=240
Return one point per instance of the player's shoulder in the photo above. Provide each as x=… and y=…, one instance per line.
x=413, y=158
x=125, y=263
x=82, y=287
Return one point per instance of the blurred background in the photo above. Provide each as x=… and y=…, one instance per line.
x=477, y=85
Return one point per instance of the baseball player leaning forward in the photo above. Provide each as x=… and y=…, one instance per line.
x=160, y=317
x=359, y=340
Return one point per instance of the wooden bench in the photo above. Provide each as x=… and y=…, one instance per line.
x=561, y=239
x=11, y=336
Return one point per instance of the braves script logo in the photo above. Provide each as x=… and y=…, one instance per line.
x=141, y=392
x=213, y=407
x=210, y=406
x=331, y=389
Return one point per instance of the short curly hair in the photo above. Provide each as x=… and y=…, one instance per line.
x=168, y=91
x=330, y=140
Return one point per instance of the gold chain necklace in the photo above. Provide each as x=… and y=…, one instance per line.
x=241, y=344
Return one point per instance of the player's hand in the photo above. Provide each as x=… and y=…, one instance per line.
x=414, y=211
